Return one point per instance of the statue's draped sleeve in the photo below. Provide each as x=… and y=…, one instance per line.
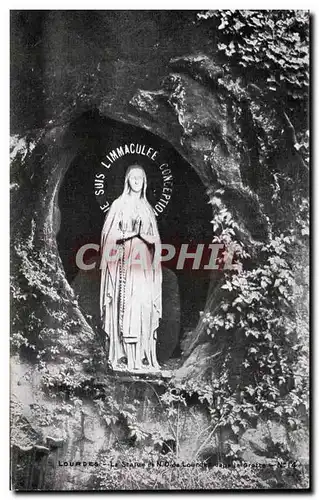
x=108, y=241
x=157, y=275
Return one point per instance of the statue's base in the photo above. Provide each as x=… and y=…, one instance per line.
x=141, y=374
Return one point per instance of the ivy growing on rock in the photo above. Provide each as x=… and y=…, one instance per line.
x=260, y=333
x=258, y=326
x=271, y=47
x=263, y=58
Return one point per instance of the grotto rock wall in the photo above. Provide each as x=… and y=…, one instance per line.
x=164, y=77
x=156, y=70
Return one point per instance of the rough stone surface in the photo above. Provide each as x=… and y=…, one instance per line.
x=164, y=78
x=200, y=364
x=263, y=443
x=85, y=435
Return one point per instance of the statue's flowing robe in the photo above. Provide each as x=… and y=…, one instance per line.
x=131, y=293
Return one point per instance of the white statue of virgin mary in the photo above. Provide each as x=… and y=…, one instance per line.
x=131, y=277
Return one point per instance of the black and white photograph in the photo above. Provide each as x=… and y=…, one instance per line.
x=159, y=250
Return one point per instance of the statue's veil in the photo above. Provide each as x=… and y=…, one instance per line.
x=124, y=201
x=120, y=208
